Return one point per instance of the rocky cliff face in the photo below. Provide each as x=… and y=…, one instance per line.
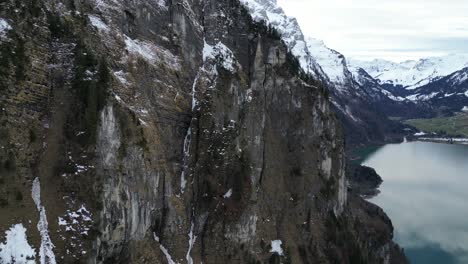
x=169, y=132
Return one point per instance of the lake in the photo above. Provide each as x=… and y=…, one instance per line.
x=425, y=193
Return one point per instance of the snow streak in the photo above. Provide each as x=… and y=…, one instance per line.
x=192, y=239
x=164, y=250
x=46, y=252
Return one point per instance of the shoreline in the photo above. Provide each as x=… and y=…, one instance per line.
x=454, y=141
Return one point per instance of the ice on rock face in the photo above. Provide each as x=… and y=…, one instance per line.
x=16, y=248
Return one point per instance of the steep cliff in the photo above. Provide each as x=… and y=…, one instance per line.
x=169, y=132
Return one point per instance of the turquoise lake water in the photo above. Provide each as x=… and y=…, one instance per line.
x=425, y=193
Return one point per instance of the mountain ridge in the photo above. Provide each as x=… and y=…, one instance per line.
x=412, y=74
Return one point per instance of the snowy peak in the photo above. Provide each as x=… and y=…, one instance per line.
x=332, y=62
x=413, y=74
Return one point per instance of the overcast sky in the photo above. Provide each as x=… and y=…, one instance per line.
x=397, y=30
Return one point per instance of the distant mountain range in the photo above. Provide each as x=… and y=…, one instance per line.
x=413, y=74
x=437, y=83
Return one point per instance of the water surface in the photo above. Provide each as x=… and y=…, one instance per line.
x=425, y=193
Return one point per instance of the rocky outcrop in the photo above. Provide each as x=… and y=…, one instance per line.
x=364, y=180
x=168, y=132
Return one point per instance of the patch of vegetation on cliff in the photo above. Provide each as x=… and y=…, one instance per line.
x=343, y=241
x=91, y=84
x=58, y=27
x=13, y=61
x=456, y=125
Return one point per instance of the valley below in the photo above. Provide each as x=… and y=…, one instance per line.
x=456, y=125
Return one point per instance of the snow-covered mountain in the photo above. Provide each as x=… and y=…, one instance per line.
x=446, y=95
x=332, y=62
x=413, y=74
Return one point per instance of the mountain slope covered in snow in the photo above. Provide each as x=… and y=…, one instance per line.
x=413, y=74
x=447, y=95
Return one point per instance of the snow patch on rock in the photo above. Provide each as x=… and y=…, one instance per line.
x=161, y=4
x=393, y=97
x=98, y=23
x=220, y=53
x=77, y=221
x=422, y=97
x=16, y=248
x=276, y=247
x=228, y=194
x=122, y=77
x=4, y=27
x=152, y=53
